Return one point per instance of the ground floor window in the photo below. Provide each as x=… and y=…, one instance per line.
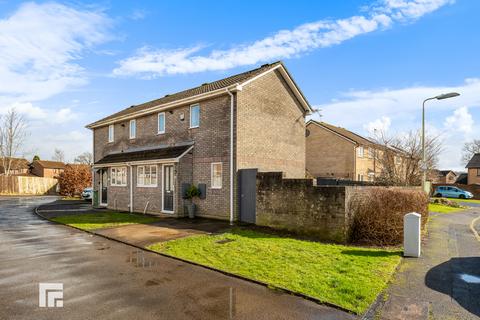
x=147, y=176
x=118, y=176
x=216, y=175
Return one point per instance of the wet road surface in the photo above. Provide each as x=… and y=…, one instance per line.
x=103, y=279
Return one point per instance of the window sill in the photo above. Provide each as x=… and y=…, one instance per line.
x=147, y=186
x=194, y=127
x=160, y=133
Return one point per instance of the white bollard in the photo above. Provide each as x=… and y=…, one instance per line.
x=411, y=234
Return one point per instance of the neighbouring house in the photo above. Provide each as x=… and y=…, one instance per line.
x=147, y=155
x=46, y=168
x=462, y=178
x=335, y=152
x=443, y=176
x=18, y=166
x=473, y=167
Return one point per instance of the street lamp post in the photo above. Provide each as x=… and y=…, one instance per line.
x=424, y=157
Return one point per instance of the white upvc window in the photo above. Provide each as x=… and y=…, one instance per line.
x=195, y=116
x=216, y=173
x=370, y=153
x=147, y=176
x=161, y=123
x=111, y=133
x=118, y=176
x=133, y=129
x=360, y=152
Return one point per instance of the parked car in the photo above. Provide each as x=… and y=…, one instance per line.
x=87, y=194
x=452, y=192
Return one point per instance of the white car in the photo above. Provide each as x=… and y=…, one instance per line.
x=87, y=194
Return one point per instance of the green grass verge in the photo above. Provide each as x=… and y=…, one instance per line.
x=350, y=277
x=92, y=221
x=440, y=208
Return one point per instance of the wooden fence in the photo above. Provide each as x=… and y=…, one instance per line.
x=19, y=185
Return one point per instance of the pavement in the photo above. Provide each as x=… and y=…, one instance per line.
x=104, y=279
x=444, y=283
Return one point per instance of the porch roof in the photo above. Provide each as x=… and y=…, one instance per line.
x=145, y=155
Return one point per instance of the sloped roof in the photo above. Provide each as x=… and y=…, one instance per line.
x=445, y=172
x=17, y=163
x=50, y=164
x=202, y=89
x=344, y=133
x=474, y=162
x=145, y=155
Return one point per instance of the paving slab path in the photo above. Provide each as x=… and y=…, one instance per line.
x=444, y=283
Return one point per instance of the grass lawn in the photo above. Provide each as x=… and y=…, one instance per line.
x=350, y=277
x=440, y=208
x=92, y=221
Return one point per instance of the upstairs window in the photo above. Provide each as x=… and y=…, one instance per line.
x=195, y=116
x=217, y=175
x=370, y=153
x=360, y=152
x=161, y=123
x=133, y=129
x=118, y=176
x=147, y=176
x=478, y=172
x=110, y=133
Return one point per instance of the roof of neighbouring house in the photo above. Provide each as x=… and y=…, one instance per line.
x=47, y=164
x=474, y=162
x=145, y=155
x=445, y=172
x=343, y=132
x=462, y=178
x=202, y=89
x=17, y=163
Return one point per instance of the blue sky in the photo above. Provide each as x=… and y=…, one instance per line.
x=365, y=64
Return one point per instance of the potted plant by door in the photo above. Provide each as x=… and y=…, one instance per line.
x=191, y=193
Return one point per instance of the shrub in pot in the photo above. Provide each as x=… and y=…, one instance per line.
x=191, y=193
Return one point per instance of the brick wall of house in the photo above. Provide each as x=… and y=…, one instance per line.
x=364, y=165
x=329, y=155
x=211, y=141
x=473, y=176
x=271, y=127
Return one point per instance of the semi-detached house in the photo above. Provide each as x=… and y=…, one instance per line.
x=146, y=155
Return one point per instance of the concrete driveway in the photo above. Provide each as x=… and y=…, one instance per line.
x=103, y=279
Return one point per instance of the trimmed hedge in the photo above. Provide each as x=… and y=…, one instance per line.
x=378, y=214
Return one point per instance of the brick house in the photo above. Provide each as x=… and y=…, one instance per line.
x=335, y=152
x=18, y=166
x=145, y=156
x=47, y=169
x=443, y=177
x=473, y=167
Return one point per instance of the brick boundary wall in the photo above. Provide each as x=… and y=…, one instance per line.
x=298, y=206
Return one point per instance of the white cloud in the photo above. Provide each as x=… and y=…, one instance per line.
x=453, y=119
x=39, y=44
x=382, y=124
x=461, y=120
x=149, y=62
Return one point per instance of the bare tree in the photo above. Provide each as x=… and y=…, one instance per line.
x=84, y=158
x=399, y=157
x=58, y=155
x=13, y=134
x=469, y=149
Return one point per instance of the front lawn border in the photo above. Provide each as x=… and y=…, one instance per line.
x=269, y=286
